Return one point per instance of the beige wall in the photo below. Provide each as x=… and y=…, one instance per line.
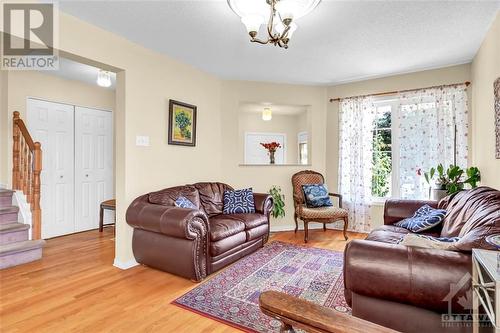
x=485, y=70
x=147, y=80
x=422, y=79
x=263, y=177
x=23, y=84
x=287, y=124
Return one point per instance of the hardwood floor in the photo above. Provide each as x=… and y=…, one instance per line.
x=75, y=288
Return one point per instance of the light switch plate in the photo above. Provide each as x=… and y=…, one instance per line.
x=141, y=140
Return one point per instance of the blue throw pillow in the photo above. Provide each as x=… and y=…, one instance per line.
x=424, y=218
x=316, y=195
x=239, y=202
x=183, y=202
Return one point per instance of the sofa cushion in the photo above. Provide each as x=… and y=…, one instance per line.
x=424, y=218
x=211, y=197
x=222, y=227
x=316, y=195
x=388, y=234
x=228, y=243
x=256, y=232
x=472, y=215
x=239, y=202
x=168, y=196
x=250, y=220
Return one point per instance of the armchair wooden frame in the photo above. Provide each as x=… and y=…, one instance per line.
x=298, y=201
x=294, y=312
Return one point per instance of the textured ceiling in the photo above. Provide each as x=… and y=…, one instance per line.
x=339, y=41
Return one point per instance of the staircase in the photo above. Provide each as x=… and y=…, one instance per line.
x=15, y=246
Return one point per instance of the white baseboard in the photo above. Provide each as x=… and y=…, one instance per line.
x=125, y=265
x=24, y=215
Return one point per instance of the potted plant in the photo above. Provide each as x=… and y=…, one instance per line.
x=278, y=202
x=451, y=180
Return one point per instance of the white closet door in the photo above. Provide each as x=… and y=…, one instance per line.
x=53, y=125
x=93, y=164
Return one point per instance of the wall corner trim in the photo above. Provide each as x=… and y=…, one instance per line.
x=125, y=264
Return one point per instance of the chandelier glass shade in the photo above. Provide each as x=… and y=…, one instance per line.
x=280, y=16
x=267, y=114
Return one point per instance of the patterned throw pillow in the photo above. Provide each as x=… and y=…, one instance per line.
x=239, y=202
x=424, y=218
x=183, y=202
x=316, y=195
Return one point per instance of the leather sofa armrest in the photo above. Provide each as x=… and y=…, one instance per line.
x=263, y=203
x=427, y=278
x=172, y=221
x=396, y=210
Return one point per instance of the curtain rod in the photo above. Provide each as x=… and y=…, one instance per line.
x=467, y=83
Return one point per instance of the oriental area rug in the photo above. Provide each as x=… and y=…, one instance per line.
x=232, y=296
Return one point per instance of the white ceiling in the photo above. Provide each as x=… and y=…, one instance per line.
x=339, y=41
x=72, y=70
x=277, y=109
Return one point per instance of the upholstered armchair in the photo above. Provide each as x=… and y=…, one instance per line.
x=321, y=214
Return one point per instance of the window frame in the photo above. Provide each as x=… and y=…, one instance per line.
x=393, y=102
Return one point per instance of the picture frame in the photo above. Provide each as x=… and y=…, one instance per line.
x=496, y=91
x=181, y=123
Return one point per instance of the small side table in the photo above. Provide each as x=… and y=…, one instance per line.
x=110, y=205
x=486, y=286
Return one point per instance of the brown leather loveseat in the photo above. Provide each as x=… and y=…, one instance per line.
x=194, y=243
x=409, y=288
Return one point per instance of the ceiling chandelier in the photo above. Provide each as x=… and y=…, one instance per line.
x=279, y=14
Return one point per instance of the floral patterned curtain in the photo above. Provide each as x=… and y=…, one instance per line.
x=428, y=119
x=355, y=166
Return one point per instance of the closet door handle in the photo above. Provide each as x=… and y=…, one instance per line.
x=87, y=176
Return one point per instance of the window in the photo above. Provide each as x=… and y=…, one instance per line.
x=382, y=152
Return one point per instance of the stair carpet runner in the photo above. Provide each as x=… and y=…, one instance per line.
x=15, y=246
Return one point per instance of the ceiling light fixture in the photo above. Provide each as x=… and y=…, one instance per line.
x=280, y=15
x=267, y=114
x=104, y=78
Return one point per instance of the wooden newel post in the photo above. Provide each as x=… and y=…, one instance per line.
x=15, y=152
x=36, y=211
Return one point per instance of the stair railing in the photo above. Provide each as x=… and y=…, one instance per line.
x=26, y=169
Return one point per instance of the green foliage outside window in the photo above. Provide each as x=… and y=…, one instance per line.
x=382, y=156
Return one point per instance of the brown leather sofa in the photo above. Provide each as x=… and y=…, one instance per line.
x=194, y=243
x=408, y=288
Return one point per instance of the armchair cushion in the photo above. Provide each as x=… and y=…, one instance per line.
x=316, y=195
x=322, y=212
x=239, y=202
x=423, y=219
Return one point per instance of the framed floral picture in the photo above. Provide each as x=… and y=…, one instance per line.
x=181, y=124
x=496, y=89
